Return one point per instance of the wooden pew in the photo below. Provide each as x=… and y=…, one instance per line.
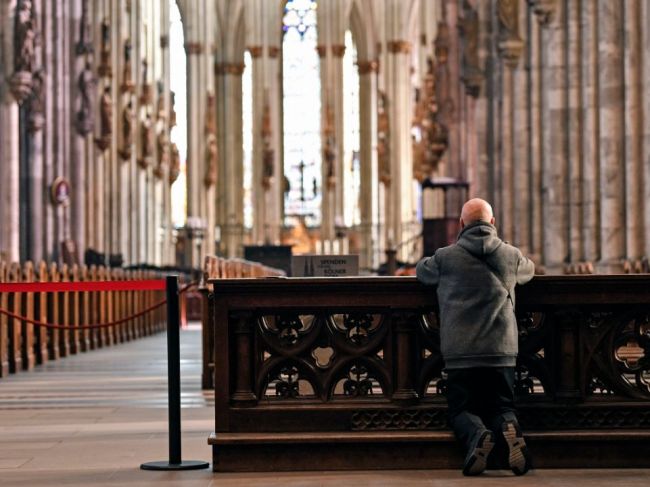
x=4, y=325
x=26, y=328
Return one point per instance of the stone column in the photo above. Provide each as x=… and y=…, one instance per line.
x=535, y=142
x=612, y=131
x=574, y=122
x=633, y=149
x=368, y=164
x=553, y=103
x=645, y=173
x=510, y=48
x=232, y=229
x=591, y=132
x=399, y=204
x=261, y=123
x=9, y=139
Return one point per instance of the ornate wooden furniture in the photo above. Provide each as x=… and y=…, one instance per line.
x=346, y=373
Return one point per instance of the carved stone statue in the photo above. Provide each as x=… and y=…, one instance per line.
x=146, y=141
x=146, y=94
x=383, y=134
x=162, y=147
x=127, y=79
x=36, y=105
x=105, y=68
x=106, y=112
x=510, y=44
x=24, y=37
x=86, y=84
x=24, y=45
x=471, y=68
x=329, y=150
x=105, y=119
x=127, y=131
x=172, y=110
x=174, y=163
x=268, y=154
x=211, y=161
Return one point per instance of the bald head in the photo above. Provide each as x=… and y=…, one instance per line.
x=475, y=210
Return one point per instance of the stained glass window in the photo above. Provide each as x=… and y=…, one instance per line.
x=301, y=91
x=351, y=140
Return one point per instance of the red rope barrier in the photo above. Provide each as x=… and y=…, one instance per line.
x=16, y=316
x=60, y=287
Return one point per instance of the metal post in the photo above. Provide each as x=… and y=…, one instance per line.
x=174, y=387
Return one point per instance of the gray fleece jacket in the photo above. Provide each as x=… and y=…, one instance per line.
x=477, y=320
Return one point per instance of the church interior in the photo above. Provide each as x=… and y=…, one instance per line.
x=226, y=139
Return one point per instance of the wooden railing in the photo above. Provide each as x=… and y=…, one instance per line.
x=220, y=268
x=24, y=345
x=355, y=362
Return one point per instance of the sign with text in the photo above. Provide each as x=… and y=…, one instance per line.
x=324, y=265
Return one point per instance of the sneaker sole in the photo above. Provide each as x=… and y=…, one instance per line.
x=518, y=457
x=478, y=461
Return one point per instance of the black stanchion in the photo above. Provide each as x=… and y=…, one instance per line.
x=174, y=387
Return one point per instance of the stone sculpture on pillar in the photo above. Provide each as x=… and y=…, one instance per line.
x=85, y=43
x=329, y=150
x=268, y=154
x=105, y=120
x=510, y=44
x=172, y=110
x=383, y=139
x=146, y=95
x=174, y=163
x=443, y=89
x=127, y=132
x=146, y=141
x=86, y=84
x=105, y=69
x=472, y=75
x=211, y=149
x=36, y=103
x=162, y=139
x=544, y=9
x=127, y=80
x=24, y=45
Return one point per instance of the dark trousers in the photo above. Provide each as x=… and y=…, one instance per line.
x=480, y=398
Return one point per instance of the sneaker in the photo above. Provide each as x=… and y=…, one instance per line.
x=476, y=459
x=518, y=455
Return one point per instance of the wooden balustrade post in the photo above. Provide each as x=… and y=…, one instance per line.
x=64, y=314
x=103, y=332
x=14, y=329
x=566, y=355
x=53, y=316
x=207, y=341
x=84, y=312
x=4, y=324
x=27, y=329
x=40, y=312
x=74, y=303
x=241, y=325
x=404, y=328
x=121, y=308
x=95, y=334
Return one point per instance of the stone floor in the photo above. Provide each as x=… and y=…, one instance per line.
x=91, y=420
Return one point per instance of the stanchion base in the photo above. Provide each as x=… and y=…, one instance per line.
x=184, y=465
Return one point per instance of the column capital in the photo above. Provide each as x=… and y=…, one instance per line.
x=366, y=67
x=236, y=69
x=399, y=46
x=193, y=47
x=164, y=41
x=255, y=51
x=273, y=51
x=338, y=50
x=322, y=50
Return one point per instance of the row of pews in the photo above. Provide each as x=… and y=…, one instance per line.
x=24, y=345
